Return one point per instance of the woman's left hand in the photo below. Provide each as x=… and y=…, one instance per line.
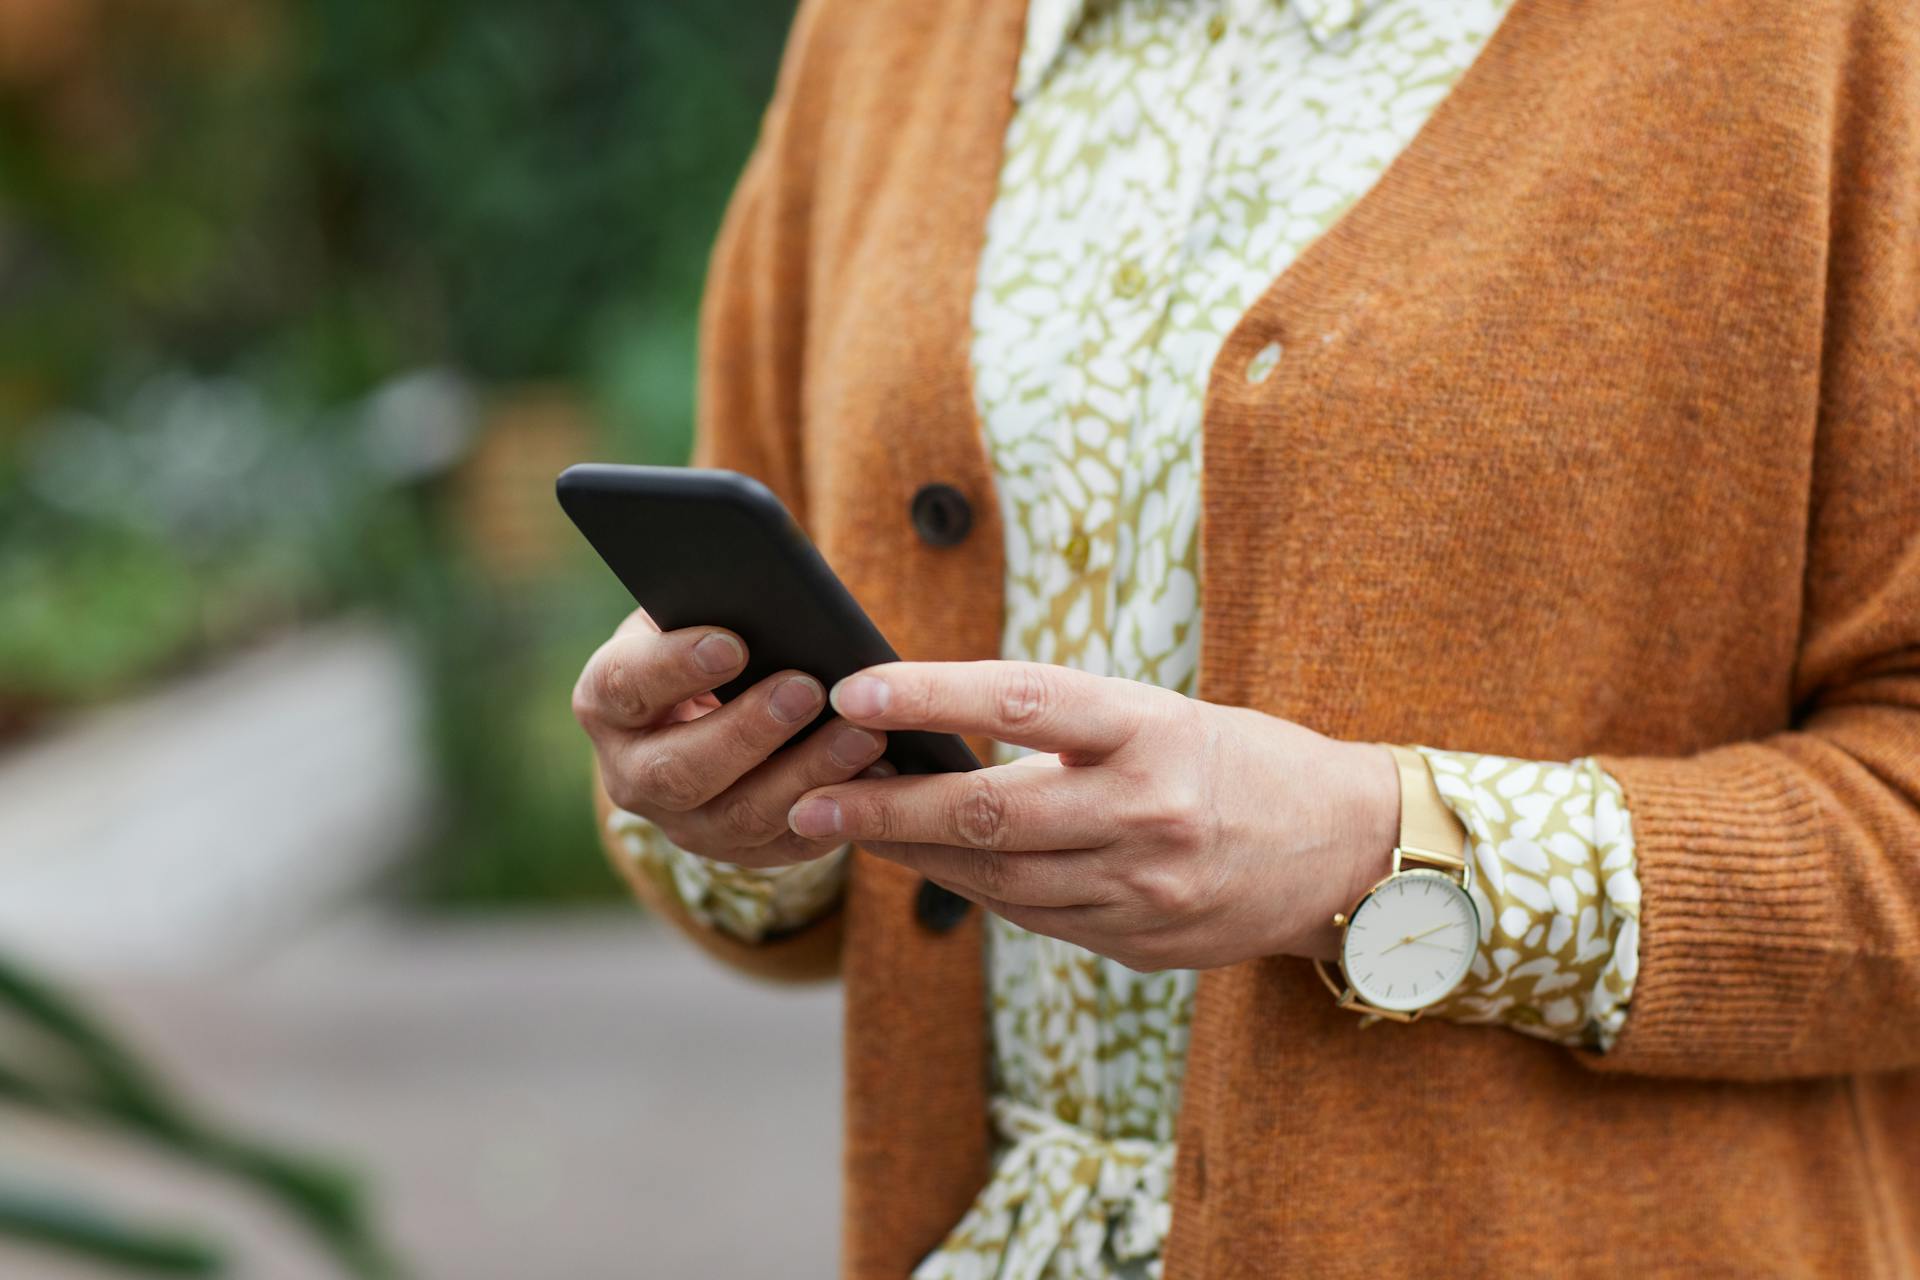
x=1157, y=830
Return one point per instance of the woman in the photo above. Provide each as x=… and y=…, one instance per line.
x=1534, y=381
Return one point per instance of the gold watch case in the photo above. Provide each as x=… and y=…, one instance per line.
x=1456, y=872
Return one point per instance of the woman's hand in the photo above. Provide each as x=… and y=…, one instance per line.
x=1157, y=830
x=717, y=780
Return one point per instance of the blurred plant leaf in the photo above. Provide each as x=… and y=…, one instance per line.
x=107, y=1084
x=63, y=1221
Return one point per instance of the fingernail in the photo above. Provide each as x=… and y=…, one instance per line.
x=878, y=769
x=718, y=653
x=796, y=699
x=814, y=817
x=860, y=696
x=851, y=746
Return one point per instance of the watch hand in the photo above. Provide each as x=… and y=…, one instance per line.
x=1415, y=937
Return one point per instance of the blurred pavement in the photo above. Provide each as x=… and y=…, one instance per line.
x=533, y=1096
x=204, y=822
x=560, y=1097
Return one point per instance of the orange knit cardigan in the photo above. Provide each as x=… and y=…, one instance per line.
x=1612, y=386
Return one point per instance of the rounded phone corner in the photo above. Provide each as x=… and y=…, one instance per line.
x=741, y=486
x=754, y=497
x=578, y=478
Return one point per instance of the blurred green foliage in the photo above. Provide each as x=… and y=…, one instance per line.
x=337, y=190
x=269, y=270
x=266, y=268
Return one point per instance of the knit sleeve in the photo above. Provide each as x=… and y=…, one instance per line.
x=1780, y=927
x=1555, y=887
x=753, y=312
x=1780, y=876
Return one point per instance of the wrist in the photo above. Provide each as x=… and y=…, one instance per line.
x=1368, y=822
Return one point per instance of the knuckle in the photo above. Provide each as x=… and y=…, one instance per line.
x=982, y=814
x=1023, y=695
x=989, y=873
x=913, y=700
x=623, y=790
x=669, y=781
x=742, y=820
x=1165, y=891
x=1182, y=832
x=885, y=816
x=1180, y=816
x=618, y=685
x=874, y=817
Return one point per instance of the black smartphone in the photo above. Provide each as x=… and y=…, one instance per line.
x=701, y=547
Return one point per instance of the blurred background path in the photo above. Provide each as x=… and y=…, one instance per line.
x=575, y=1096
x=199, y=823
x=566, y=1092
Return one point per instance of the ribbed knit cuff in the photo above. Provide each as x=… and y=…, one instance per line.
x=1735, y=917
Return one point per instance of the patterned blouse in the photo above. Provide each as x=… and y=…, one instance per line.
x=1166, y=160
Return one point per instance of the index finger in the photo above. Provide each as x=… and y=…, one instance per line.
x=1029, y=704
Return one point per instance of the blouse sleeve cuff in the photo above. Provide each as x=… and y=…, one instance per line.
x=748, y=904
x=1555, y=882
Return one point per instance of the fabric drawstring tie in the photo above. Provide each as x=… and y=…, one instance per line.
x=1062, y=1204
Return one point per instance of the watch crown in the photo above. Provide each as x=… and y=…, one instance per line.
x=1339, y=919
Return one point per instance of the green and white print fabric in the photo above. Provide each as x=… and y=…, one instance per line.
x=1166, y=160
x=1559, y=901
x=1063, y=1203
x=748, y=903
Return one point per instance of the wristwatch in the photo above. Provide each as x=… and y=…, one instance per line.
x=1411, y=937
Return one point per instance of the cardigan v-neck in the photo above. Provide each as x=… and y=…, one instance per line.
x=1643, y=248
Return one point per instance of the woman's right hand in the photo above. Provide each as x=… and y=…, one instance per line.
x=717, y=780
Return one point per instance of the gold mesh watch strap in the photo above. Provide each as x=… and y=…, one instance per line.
x=1429, y=831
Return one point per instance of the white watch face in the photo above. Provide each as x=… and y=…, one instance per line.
x=1411, y=941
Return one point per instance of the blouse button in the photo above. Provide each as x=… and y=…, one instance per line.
x=1130, y=280
x=1263, y=362
x=1077, y=551
x=940, y=514
x=938, y=910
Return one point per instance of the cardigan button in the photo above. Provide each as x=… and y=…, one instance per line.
x=938, y=910
x=941, y=515
x=1261, y=367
